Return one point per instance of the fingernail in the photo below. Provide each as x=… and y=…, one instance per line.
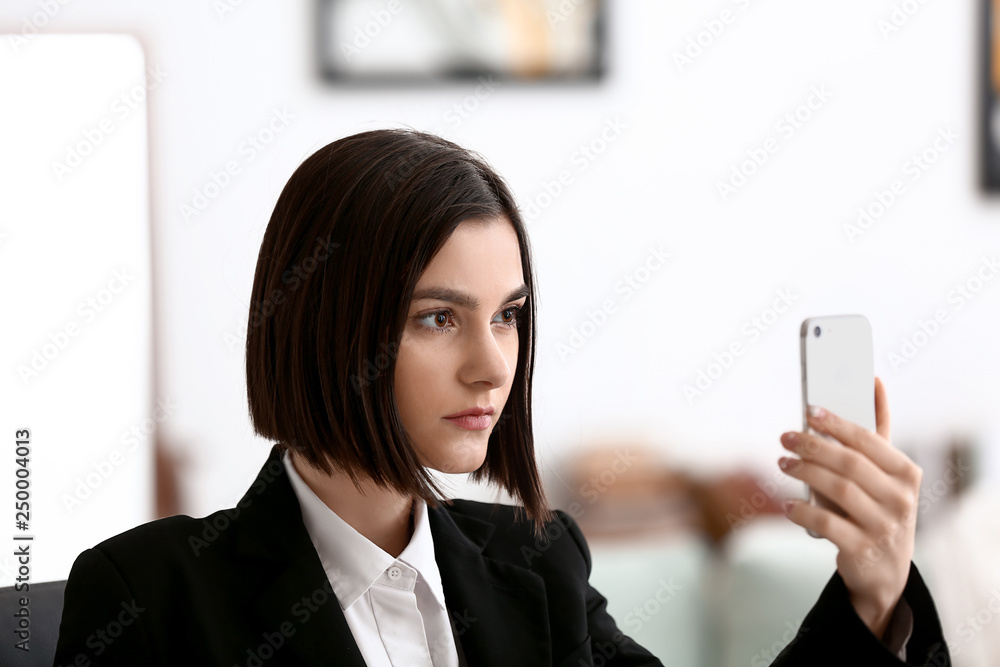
x=787, y=505
x=789, y=438
x=784, y=463
x=816, y=411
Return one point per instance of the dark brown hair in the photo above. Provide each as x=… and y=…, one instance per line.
x=350, y=234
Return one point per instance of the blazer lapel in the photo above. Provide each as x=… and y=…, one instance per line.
x=293, y=602
x=499, y=610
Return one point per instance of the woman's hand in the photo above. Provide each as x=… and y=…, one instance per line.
x=877, y=486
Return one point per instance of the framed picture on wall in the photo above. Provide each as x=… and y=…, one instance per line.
x=990, y=97
x=418, y=41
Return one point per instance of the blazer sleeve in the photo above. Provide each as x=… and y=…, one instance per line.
x=101, y=620
x=833, y=634
x=607, y=642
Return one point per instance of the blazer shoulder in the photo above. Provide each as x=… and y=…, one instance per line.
x=152, y=534
x=174, y=539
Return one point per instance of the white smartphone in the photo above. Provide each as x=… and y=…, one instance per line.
x=838, y=373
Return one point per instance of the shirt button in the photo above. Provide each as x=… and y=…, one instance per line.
x=394, y=573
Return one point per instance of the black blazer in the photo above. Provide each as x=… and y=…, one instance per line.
x=246, y=587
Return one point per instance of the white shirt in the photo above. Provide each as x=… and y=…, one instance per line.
x=395, y=607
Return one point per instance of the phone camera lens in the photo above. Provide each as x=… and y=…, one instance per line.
x=816, y=331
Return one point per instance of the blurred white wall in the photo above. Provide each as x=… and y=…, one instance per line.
x=667, y=133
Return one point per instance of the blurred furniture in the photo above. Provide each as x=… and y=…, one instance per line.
x=628, y=490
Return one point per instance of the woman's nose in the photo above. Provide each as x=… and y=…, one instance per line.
x=486, y=357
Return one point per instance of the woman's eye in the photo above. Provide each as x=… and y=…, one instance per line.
x=436, y=321
x=512, y=314
x=440, y=321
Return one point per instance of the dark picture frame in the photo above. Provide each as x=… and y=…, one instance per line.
x=989, y=88
x=402, y=42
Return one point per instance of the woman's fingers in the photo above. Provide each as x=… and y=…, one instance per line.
x=869, y=443
x=847, y=536
x=846, y=462
x=881, y=410
x=860, y=506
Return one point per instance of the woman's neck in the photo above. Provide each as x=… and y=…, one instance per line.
x=381, y=515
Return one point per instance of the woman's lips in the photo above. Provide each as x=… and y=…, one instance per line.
x=471, y=422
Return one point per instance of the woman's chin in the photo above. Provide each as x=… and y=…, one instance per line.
x=466, y=459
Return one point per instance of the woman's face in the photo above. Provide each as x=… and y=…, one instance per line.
x=459, y=348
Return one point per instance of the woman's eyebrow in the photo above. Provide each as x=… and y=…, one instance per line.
x=460, y=298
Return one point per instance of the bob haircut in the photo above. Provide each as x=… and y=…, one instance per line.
x=350, y=235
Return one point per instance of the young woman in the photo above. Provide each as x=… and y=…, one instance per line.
x=391, y=332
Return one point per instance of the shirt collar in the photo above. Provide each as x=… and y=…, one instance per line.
x=351, y=561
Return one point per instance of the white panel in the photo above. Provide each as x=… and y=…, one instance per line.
x=76, y=299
